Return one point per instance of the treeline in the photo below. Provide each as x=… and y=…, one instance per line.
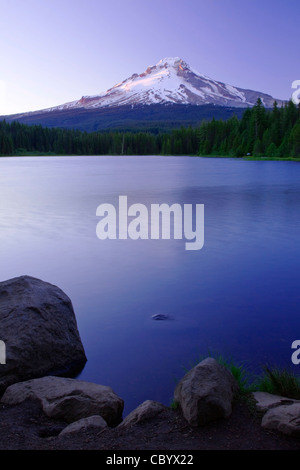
x=18, y=139
x=273, y=133
x=260, y=132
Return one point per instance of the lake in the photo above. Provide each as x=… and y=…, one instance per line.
x=238, y=296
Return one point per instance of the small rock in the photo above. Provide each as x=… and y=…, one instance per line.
x=284, y=418
x=265, y=400
x=160, y=316
x=84, y=424
x=147, y=410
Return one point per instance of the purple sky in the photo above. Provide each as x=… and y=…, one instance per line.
x=55, y=51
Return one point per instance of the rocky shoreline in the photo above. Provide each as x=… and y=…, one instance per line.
x=54, y=411
x=151, y=426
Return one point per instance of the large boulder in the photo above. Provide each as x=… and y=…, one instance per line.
x=206, y=393
x=68, y=399
x=39, y=330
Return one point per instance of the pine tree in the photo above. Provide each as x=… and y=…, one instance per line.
x=294, y=141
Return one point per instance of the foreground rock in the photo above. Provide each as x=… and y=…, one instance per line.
x=68, y=399
x=266, y=401
x=39, y=329
x=147, y=410
x=284, y=418
x=280, y=413
x=206, y=393
x=85, y=424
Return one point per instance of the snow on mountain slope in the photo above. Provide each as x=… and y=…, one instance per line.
x=171, y=80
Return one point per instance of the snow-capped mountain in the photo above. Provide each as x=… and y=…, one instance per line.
x=167, y=95
x=171, y=80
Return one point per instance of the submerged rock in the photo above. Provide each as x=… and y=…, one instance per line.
x=39, y=329
x=160, y=316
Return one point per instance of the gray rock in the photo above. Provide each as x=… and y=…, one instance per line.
x=284, y=418
x=39, y=329
x=147, y=410
x=68, y=399
x=206, y=393
x=265, y=401
x=84, y=424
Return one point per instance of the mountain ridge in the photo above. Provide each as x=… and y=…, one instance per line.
x=171, y=80
x=154, y=118
x=169, y=83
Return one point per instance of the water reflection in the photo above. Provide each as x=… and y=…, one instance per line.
x=239, y=295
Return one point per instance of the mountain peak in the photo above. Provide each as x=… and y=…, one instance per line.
x=171, y=80
x=170, y=61
x=175, y=63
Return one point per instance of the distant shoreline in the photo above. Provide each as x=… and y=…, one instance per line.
x=246, y=158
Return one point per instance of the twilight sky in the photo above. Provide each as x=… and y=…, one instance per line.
x=55, y=51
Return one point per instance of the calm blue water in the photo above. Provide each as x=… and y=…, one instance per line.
x=238, y=296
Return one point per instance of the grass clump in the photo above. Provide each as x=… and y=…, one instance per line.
x=239, y=372
x=174, y=405
x=273, y=380
x=278, y=381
